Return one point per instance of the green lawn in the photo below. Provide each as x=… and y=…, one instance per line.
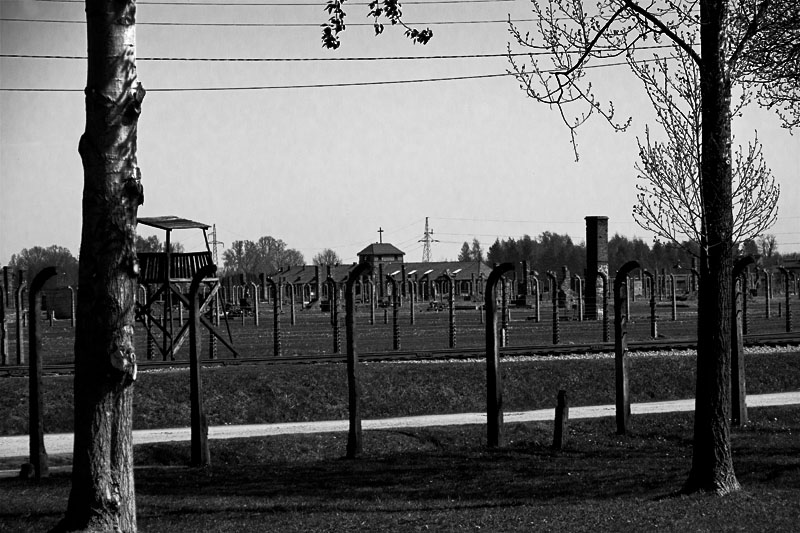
x=432, y=479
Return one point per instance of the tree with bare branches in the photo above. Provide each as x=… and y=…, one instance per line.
x=669, y=199
x=576, y=38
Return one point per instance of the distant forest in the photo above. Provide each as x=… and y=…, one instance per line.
x=551, y=251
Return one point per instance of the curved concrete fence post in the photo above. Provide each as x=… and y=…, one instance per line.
x=354, y=443
x=494, y=379
x=623, y=402
x=38, y=454
x=199, y=437
x=738, y=394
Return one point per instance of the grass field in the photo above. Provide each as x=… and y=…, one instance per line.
x=434, y=479
x=313, y=332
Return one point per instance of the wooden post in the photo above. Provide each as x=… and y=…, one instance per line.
x=19, y=309
x=3, y=329
x=561, y=431
x=503, y=313
x=674, y=297
x=623, y=402
x=372, y=301
x=255, y=303
x=738, y=390
x=395, y=312
x=494, y=378
x=602, y=275
x=767, y=292
x=38, y=454
x=276, y=318
x=71, y=306
x=333, y=299
x=554, y=298
x=536, y=300
x=786, y=295
x=452, y=305
x=6, y=287
x=199, y=438
x=580, y=297
x=412, y=298
x=354, y=443
x=292, y=313
x=653, y=323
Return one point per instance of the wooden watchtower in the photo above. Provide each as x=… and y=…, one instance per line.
x=164, y=276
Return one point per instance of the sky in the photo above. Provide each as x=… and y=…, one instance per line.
x=327, y=167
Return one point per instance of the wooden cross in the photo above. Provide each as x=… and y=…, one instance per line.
x=380, y=234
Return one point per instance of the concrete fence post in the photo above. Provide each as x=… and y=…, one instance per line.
x=623, y=403
x=494, y=379
x=38, y=454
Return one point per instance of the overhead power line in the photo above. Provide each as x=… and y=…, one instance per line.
x=312, y=59
x=280, y=4
x=273, y=24
x=275, y=87
x=314, y=85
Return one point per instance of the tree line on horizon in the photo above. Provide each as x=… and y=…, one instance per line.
x=548, y=251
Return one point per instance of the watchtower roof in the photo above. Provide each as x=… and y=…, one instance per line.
x=380, y=248
x=170, y=223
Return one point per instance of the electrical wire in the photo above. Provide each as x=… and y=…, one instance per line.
x=311, y=59
x=312, y=86
x=274, y=24
x=281, y=4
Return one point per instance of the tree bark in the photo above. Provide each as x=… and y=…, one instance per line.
x=712, y=462
x=102, y=496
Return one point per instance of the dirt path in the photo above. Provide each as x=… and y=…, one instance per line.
x=17, y=446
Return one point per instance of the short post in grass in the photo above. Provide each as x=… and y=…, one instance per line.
x=452, y=304
x=199, y=438
x=354, y=446
x=554, y=300
x=390, y=281
x=494, y=379
x=38, y=454
x=560, y=431
x=602, y=275
x=19, y=309
x=738, y=394
x=653, y=323
x=786, y=295
x=276, y=318
x=623, y=402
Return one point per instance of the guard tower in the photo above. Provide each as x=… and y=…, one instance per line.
x=164, y=276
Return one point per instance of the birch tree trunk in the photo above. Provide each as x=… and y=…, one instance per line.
x=102, y=496
x=712, y=462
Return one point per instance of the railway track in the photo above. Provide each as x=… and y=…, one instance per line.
x=552, y=350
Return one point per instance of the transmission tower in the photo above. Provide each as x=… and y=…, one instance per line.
x=427, y=240
x=214, y=242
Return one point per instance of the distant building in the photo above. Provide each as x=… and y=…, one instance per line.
x=428, y=280
x=380, y=253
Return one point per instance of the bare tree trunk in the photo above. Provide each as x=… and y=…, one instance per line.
x=712, y=462
x=102, y=496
